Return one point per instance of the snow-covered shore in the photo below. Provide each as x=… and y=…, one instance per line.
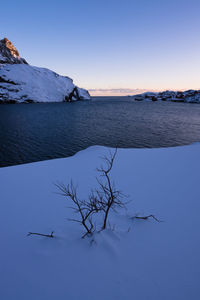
x=138, y=260
x=189, y=96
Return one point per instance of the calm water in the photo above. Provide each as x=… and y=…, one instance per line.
x=33, y=132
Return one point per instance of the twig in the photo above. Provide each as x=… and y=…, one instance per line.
x=86, y=234
x=147, y=217
x=47, y=235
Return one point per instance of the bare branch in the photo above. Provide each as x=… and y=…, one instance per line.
x=74, y=220
x=147, y=217
x=108, y=196
x=84, y=208
x=41, y=234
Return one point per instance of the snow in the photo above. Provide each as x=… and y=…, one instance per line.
x=2, y=58
x=35, y=84
x=137, y=260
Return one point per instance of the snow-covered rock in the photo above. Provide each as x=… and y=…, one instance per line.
x=83, y=94
x=190, y=96
x=24, y=83
x=20, y=82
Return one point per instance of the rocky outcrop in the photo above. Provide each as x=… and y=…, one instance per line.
x=22, y=83
x=9, y=54
x=189, y=96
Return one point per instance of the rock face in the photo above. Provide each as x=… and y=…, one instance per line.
x=189, y=96
x=9, y=54
x=22, y=83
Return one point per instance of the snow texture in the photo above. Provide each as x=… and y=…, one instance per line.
x=25, y=83
x=137, y=260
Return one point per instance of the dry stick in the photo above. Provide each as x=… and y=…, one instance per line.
x=46, y=235
x=147, y=217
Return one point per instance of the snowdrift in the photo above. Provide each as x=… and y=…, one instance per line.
x=133, y=259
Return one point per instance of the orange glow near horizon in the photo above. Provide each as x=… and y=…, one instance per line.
x=125, y=92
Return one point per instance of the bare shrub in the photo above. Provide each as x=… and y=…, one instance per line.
x=104, y=198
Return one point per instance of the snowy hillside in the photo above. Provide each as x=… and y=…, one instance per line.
x=135, y=259
x=20, y=82
x=190, y=96
x=25, y=83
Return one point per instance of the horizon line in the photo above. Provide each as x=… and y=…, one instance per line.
x=126, y=91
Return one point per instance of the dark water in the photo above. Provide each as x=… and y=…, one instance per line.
x=33, y=132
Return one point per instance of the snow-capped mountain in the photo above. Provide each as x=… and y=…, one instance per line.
x=20, y=82
x=189, y=96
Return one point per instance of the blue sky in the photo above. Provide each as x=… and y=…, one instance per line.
x=144, y=44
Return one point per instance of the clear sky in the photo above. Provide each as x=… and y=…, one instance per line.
x=109, y=44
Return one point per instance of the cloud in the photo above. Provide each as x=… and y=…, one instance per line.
x=117, y=92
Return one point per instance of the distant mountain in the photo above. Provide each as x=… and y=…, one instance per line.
x=189, y=96
x=118, y=92
x=22, y=83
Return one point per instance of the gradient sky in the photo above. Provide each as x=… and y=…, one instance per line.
x=109, y=44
